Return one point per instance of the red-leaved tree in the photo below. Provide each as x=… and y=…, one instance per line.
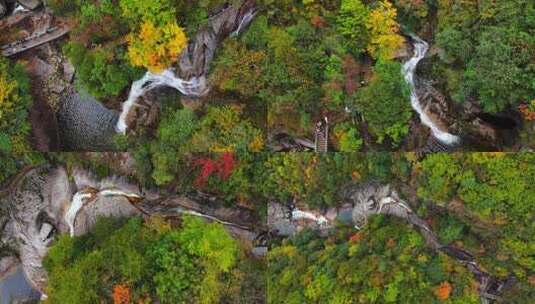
x=222, y=166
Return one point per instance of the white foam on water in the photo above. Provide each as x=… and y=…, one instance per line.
x=20, y=8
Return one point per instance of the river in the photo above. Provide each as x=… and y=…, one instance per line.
x=15, y=288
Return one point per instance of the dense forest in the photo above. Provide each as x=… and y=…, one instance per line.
x=482, y=202
x=127, y=261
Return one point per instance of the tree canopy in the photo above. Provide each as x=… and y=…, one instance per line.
x=144, y=261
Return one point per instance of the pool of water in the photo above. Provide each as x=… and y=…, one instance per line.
x=15, y=288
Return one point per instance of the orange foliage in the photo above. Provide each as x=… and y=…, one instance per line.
x=443, y=291
x=356, y=175
x=528, y=110
x=318, y=21
x=121, y=294
x=356, y=237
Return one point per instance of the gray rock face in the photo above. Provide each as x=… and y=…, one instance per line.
x=116, y=206
x=30, y=4
x=32, y=220
x=195, y=59
x=374, y=198
x=33, y=214
x=85, y=124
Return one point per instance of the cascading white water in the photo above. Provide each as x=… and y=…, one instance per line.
x=76, y=204
x=246, y=19
x=408, y=70
x=299, y=214
x=116, y=192
x=196, y=86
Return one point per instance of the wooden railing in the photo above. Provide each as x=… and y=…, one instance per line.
x=34, y=40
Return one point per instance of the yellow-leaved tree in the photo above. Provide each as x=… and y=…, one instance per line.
x=156, y=47
x=384, y=31
x=7, y=97
x=15, y=100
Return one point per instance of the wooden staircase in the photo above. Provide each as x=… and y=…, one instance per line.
x=433, y=145
x=322, y=136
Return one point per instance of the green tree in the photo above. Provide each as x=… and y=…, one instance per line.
x=499, y=73
x=155, y=11
x=348, y=138
x=190, y=263
x=385, y=103
x=101, y=72
x=351, y=22
x=493, y=190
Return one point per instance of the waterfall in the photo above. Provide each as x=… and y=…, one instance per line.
x=246, y=19
x=299, y=214
x=76, y=204
x=196, y=86
x=408, y=71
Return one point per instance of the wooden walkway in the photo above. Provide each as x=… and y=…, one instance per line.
x=34, y=40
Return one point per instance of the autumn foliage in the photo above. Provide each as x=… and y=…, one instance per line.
x=528, y=110
x=121, y=294
x=222, y=166
x=156, y=47
x=443, y=291
x=384, y=29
